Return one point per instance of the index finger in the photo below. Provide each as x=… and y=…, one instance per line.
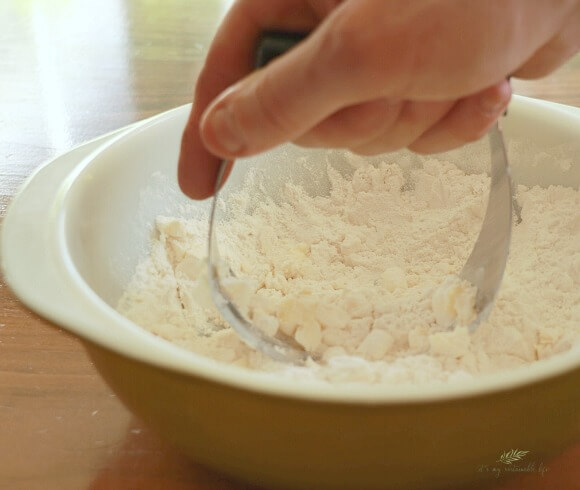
x=230, y=58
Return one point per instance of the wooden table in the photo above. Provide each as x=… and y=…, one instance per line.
x=70, y=71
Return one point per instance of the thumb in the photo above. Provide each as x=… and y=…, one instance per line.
x=275, y=104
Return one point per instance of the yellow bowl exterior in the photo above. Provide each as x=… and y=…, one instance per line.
x=290, y=443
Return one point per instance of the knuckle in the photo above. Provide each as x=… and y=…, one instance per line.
x=342, y=47
x=270, y=104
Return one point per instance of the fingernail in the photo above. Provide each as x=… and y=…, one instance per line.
x=225, y=129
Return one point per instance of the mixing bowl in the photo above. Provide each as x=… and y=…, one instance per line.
x=72, y=239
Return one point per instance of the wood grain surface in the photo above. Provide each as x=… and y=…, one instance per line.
x=71, y=70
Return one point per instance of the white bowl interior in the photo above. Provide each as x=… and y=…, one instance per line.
x=111, y=202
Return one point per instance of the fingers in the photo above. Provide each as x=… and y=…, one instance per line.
x=380, y=126
x=196, y=169
x=353, y=125
x=468, y=121
x=364, y=50
x=229, y=59
x=337, y=66
x=415, y=118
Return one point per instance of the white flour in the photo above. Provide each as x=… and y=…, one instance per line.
x=364, y=278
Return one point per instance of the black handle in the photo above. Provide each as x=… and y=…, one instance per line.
x=274, y=43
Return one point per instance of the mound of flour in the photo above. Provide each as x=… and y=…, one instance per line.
x=365, y=279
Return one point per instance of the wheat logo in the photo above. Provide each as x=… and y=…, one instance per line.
x=510, y=463
x=509, y=457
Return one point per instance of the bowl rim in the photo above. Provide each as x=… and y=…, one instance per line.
x=142, y=345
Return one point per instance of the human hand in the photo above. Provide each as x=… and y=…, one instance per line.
x=373, y=76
